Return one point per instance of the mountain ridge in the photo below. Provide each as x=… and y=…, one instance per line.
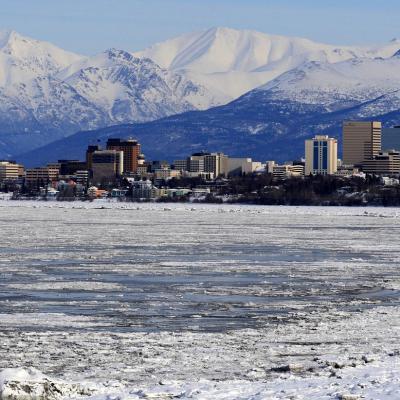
x=47, y=93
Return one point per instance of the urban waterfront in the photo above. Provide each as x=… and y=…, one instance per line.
x=129, y=296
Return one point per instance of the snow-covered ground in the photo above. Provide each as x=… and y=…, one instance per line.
x=123, y=300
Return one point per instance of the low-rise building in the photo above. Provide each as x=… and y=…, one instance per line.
x=235, y=166
x=180, y=165
x=286, y=171
x=143, y=190
x=10, y=171
x=384, y=163
x=41, y=176
x=166, y=174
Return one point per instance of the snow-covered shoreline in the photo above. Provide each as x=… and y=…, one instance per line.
x=124, y=300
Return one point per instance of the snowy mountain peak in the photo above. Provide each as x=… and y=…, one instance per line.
x=397, y=54
x=231, y=62
x=21, y=47
x=6, y=37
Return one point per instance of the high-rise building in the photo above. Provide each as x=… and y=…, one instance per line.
x=131, y=150
x=391, y=138
x=89, y=155
x=361, y=141
x=215, y=163
x=321, y=155
x=195, y=163
x=107, y=165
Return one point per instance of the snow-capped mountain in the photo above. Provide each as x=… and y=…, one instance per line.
x=47, y=93
x=130, y=89
x=270, y=122
x=232, y=62
x=23, y=58
x=341, y=85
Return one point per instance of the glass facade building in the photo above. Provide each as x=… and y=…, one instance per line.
x=321, y=155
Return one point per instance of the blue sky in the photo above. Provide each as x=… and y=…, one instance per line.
x=90, y=26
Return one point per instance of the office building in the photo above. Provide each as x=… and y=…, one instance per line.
x=107, y=165
x=391, y=138
x=180, y=165
x=89, y=155
x=235, y=166
x=361, y=141
x=384, y=163
x=41, y=176
x=69, y=167
x=215, y=163
x=321, y=155
x=195, y=163
x=9, y=170
x=131, y=150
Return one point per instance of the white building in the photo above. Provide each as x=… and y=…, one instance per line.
x=321, y=155
x=239, y=166
x=287, y=170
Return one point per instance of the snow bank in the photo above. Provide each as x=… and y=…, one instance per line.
x=367, y=382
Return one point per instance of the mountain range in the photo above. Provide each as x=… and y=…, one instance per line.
x=241, y=92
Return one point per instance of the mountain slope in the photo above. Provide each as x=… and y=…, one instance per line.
x=233, y=62
x=270, y=122
x=128, y=88
x=47, y=93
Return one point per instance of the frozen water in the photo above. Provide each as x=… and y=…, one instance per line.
x=199, y=301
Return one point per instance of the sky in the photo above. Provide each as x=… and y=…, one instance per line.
x=91, y=26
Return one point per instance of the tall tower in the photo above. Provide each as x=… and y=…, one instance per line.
x=361, y=141
x=131, y=150
x=89, y=155
x=321, y=155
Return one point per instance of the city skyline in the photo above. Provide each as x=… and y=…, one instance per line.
x=89, y=27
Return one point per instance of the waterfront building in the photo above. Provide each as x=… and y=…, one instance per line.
x=321, y=155
x=131, y=150
x=143, y=190
x=361, y=141
x=107, y=165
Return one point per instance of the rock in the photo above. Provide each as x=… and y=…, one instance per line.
x=42, y=390
x=288, y=368
x=348, y=397
x=367, y=359
x=335, y=364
